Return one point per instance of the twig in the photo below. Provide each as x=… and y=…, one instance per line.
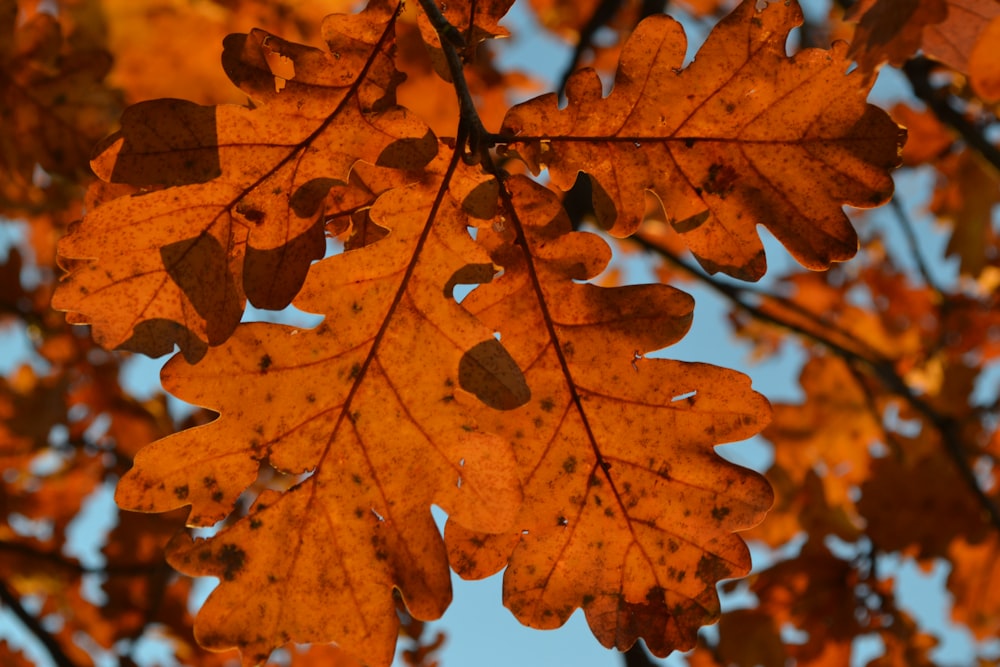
x=604, y=12
x=472, y=136
x=61, y=562
x=918, y=72
x=911, y=240
x=13, y=602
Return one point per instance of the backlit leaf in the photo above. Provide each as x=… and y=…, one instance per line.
x=381, y=438
x=628, y=512
x=743, y=136
x=243, y=218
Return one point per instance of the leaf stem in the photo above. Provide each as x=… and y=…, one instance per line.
x=13, y=602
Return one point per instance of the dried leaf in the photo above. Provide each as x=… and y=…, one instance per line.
x=244, y=217
x=628, y=512
x=380, y=437
x=745, y=135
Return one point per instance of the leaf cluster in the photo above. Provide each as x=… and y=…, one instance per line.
x=468, y=345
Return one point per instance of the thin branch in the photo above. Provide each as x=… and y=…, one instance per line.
x=911, y=240
x=472, y=138
x=603, y=12
x=13, y=602
x=918, y=71
x=74, y=567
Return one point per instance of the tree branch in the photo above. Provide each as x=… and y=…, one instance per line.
x=13, y=602
x=472, y=137
x=911, y=240
x=918, y=71
x=62, y=563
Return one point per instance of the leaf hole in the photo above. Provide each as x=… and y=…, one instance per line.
x=496, y=334
x=377, y=515
x=684, y=396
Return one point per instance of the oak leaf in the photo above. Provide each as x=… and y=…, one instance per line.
x=966, y=194
x=243, y=218
x=381, y=438
x=895, y=30
x=973, y=582
x=628, y=513
x=984, y=72
x=55, y=105
x=744, y=135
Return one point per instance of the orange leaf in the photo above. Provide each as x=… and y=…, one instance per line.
x=245, y=213
x=628, y=512
x=55, y=106
x=894, y=30
x=383, y=438
x=984, y=70
x=745, y=135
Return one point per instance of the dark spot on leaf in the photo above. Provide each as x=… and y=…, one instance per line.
x=547, y=404
x=569, y=465
x=488, y=371
x=217, y=495
x=255, y=524
x=232, y=559
x=264, y=363
x=712, y=569
x=720, y=513
x=587, y=599
x=181, y=492
x=209, y=482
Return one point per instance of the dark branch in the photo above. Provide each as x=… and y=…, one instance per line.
x=13, y=602
x=918, y=70
x=603, y=13
x=472, y=137
x=911, y=240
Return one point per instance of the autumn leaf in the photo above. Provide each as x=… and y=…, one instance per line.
x=984, y=73
x=744, y=136
x=628, y=512
x=973, y=581
x=241, y=217
x=895, y=30
x=55, y=106
x=966, y=196
x=378, y=438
